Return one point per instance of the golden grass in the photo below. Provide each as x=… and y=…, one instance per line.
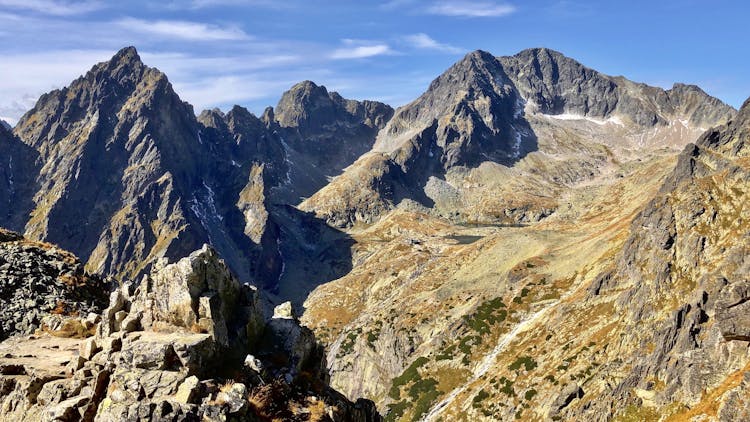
x=71, y=328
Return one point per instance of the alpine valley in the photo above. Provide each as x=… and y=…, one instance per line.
x=529, y=239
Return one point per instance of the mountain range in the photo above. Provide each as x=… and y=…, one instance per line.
x=529, y=239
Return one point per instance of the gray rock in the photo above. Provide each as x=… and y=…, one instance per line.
x=89, y=348
x=733, y=311
x=570, y=392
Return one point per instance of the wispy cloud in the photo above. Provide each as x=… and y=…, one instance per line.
x=54, y=7
x=25, y=76
x=206, y=4
x=395, y=4
x=425, y=42
x=184, y=30
x=472, y=9
x=360, y=49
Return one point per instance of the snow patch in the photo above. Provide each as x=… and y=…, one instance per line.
x=10, y=174
x=568, y=116
x=205, y=209
x=236, y=164
x=516, y=147
x=200, y=140
x=520, y=107
x=288, y=162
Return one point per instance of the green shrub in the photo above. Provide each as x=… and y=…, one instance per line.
x=527, y=361
x=476, y=402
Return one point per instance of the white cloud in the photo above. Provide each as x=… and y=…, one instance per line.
x=26, y=76
x=200, y=4
x=177, y=65
x=361, y=51
x=395, y=4
x=54, y=7
x=184, y=30
x=472, y=9
x=424, y=41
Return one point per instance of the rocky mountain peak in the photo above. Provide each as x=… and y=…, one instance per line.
x=213, y=118
x=120, y=137
x=5, y=125
x=240, y=116
x=127, y=54
x=474, y=104
x=304, y=105
x=477, y=70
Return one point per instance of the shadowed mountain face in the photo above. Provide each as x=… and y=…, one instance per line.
x=18, y=167
x=121, y=162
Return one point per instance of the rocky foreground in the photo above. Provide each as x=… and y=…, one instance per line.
x=190, y=343
x=38, y=279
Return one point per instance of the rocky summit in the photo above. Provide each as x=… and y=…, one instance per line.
x=529, y=239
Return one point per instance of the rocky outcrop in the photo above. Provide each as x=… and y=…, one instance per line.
x=189, y=343
x=37, y=279
x=684, y=274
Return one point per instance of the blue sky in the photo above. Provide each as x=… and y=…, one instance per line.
x=223, y=52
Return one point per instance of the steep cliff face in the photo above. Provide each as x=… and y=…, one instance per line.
x=536, y=122
x=18, y=170
x=322, y=133
x=475, y=107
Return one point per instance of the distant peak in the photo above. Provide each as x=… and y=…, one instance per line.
x=481, y=54
x=305, y=84
x=681, y=87
x=239, y=109
x=540, y=51
x=307, y=88
x=478, y=56
x=127, y=54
